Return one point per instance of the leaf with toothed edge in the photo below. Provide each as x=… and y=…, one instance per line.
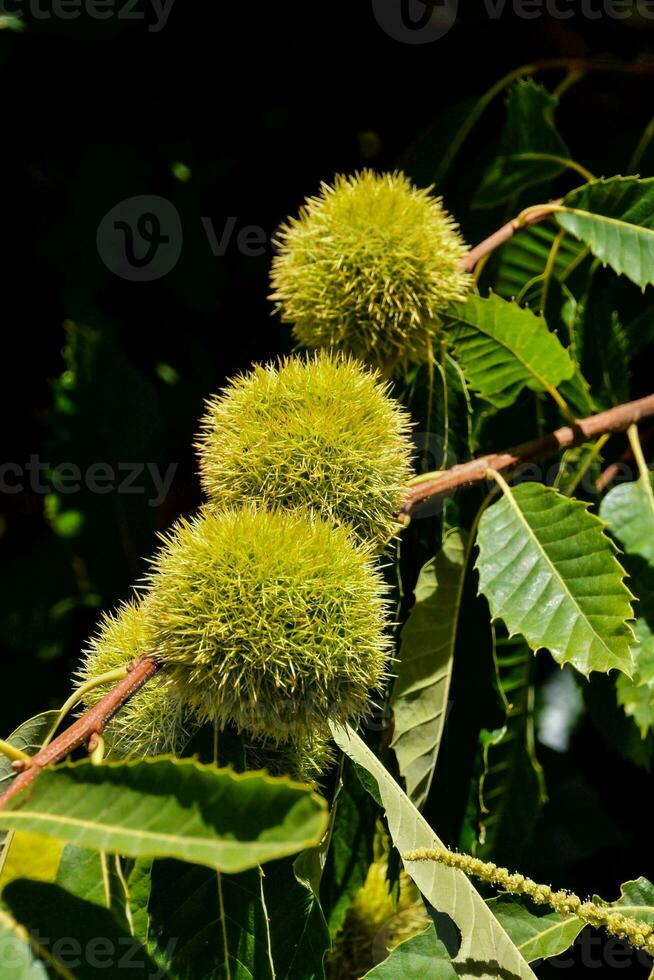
x=636, y=900
x=503, y=347
x=549, y=570
x=537, y=931
x=486, y=950
x=523, y=259
x=615, y=218
x=628, y=509
x=174, y=808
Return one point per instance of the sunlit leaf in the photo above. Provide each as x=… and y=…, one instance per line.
x=628, y=509
x=483, y=940
x=503, y=347
x=615, y=218
x=549, y=571
x=422, y=957
x=537, y=931
x=172, y=808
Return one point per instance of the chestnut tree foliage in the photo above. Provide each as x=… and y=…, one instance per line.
x=353, y=673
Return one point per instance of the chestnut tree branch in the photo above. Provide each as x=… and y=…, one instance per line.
x=530, y=216
x=87, y=730
x=613, y=470
x=616, y=419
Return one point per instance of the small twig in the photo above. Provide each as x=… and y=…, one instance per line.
x=530, y=216
x=11, y=752
x=476, y=471
x=86, y=730
x=109, y=678
x=612, y=471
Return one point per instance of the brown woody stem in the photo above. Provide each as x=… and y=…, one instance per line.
x=86, y=730
x=530, y=216
x=477, y=470
x=612, y=472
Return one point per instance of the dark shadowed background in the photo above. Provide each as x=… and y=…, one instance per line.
x=231, y=113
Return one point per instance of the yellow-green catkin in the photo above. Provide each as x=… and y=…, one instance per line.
x=639, y=934
x=368, y=267
x=321, y=432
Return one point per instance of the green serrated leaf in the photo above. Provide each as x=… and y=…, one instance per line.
x=503, y=347
x=172, y=808
x=524, y=258
x=485, y=947
x=636, y=900
x=550, y=572
x=615, y=218
x=628, y=509
x=422, y=957
x=421, y=691
x=536, y=931
x=531, y=150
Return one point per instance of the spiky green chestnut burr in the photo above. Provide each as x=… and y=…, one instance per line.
x=271, y=620
x=321, y=432
x=307, y=758
x=368, y=267
x=152, y=722
x=378, y=919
